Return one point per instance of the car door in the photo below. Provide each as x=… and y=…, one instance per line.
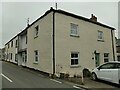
x=105, y=72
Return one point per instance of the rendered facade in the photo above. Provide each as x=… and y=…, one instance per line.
x=62, y=42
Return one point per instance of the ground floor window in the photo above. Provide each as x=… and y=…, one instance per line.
x=7, y=56
x=36, y=56
x=16, y=58
x=74, y=58
x=106, y=57
x=118, y=58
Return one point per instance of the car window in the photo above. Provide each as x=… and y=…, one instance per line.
x=117, y=66
x=107, y=66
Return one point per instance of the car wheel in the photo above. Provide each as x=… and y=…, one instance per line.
x=94, y=76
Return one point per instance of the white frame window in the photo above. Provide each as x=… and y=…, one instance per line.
x=36, y=54
x=16, y=57
x=16, y=43
x=8, y=45
x=74, y=58
x=36, y=31
x=11, y=43
x=73, y=29
x=100, y=35
x=106, y=57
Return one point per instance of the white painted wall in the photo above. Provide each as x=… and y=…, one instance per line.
x=12, y=50
x=85, y=44
x=43, y=43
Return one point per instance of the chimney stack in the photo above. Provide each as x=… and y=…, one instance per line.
x=93, y=18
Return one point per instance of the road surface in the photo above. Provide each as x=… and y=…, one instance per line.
x=14, y=76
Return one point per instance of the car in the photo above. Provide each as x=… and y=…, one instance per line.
x=109, y=71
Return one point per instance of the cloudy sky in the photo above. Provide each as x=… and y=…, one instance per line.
x=14, y=14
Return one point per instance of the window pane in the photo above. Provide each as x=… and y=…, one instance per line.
x=74, y=55
x=36, y=52
x=74, y=28
x=36, y=56
x=108, y=66
x=106, y=60
x=76, y=61
x=117, y=66
x=36, y=30
x=36, y=59
x=72, y=61
x=100, y=35
x=106, y=54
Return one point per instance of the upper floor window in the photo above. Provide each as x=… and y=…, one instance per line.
x=36, y=31
x=73, y=29
x=26, y=39
x=100, y=35
x=11, y=56
x=12, y=44
x=8, y=45
x=16, y=43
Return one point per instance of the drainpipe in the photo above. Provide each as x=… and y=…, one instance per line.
x=53, y=42
x=18, y=49
x=113, y=45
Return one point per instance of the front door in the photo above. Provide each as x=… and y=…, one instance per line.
x=24, y=59
x=97, y=59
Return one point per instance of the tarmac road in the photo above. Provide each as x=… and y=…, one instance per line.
x=14, y=76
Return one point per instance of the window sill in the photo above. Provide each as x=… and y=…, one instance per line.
x=100, y=40
x=72, y=35
x=35, y=62
x=75, y=66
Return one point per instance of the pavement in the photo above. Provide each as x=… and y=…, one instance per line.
x=25, y=78
x=90, y=84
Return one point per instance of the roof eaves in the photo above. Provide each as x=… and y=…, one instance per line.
x=47, y=12
x=83, y=18
x=11, y=39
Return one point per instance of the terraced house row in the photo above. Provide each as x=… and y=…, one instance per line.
x=62, y=42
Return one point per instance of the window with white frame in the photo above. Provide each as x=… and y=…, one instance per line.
x=100, y=35
x=106, y=57
x=8, y=45
x=12, y=44
x=11, y=56
x=16, y=43
x=16, y=57
x=7, y=56
x=74, y=58
x=74, y=29
x=36, y=56
x=36, y=31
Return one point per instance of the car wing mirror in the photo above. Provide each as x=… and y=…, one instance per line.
x=98, y=68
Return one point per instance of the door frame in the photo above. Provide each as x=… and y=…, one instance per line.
x=97, y=59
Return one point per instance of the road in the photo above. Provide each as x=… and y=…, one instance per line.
x=14, y=76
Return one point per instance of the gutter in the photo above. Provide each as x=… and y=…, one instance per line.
x=113, y=45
